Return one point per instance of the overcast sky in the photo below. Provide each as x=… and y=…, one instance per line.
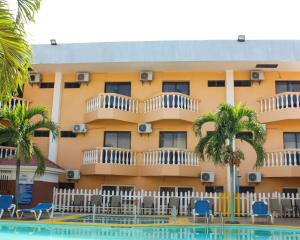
x=70, y=21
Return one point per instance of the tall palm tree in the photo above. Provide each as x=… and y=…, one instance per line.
x=15, y=51
x=17, y=126
x=219, y=146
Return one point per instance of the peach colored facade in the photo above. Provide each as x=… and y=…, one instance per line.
x=142, y=173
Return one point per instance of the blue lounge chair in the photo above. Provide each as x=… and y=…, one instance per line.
x=260, y=209
x=202, y=209
x=6, y=204
x=37, y=211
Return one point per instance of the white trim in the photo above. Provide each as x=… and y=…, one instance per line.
x=55, y=116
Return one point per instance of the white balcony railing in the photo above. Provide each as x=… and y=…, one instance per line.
x=171, y=100
x=112, y=101
x=6, y=152
x=286, y=157
x=106, y=155
x=16, y=100
x=280, y=101
x=171, y=156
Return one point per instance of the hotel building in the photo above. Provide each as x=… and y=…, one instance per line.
x=126, y=111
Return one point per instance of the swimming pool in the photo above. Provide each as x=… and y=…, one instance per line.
x=29, y=231
x=119, y=220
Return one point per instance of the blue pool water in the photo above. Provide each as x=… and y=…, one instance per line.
x=26, y=231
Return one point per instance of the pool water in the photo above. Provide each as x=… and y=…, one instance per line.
x=26, y=231
x=119, y=220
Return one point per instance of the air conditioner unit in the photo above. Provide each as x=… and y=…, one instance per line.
x=207, y=176
x=73, y=174
x=144, y=128
x=146, y=76
x=34, y=78
x=257, y=75
x=79, y=128
x=254, y=177
x=83, y=77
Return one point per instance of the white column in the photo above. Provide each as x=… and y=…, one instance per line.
x=230, y=100
x=55, y=115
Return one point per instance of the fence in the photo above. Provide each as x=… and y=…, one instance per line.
x=171, y=100
x=286, y=157
x=109, y=155
x=280, y=101
x=180, y=157
x=63, y=201
x=113, y=101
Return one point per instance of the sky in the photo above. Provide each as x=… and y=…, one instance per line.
x=70, y=21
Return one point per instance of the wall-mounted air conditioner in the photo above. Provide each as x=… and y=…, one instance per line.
x=207, y=176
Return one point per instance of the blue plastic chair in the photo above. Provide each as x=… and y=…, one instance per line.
x=202, y=209
x=260, y=209
x=6, y=204
x=37, y=211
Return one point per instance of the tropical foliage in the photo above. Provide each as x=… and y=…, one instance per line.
x=15, y=52
x=17, y=126
x=230, y=123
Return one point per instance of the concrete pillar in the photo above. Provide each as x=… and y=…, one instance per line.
x=230, y=100
x=55, y=115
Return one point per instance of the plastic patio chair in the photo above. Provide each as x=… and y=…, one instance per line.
x=173, y=202
x=275, y=208
x=6, y=204
x=115, y=203
x=202, y=208
x=148, y=204
x=260, y=209
x=287, y=207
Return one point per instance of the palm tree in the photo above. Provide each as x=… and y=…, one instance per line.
x=219, y=146
x=15, y=52
x=17, y=126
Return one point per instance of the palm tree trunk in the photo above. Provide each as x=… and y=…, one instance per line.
x=17, y=190
x=231, y=170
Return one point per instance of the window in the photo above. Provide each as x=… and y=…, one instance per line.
x=67, y=134
x=117, y=139
x=123, y=88
x=242, y=83
x=292, y=140
x=47, y=85
x=245, y=134
x=214, y=189
x=216, y=83
x=179, y=190
x=287, y=86
x=72, y=84
x=117, y=188
x=172, y=140
x=65, y=185
x=179, y=87
x=290, y=191
x=245, y=189
x=41, y=133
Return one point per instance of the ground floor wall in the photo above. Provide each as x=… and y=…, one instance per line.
x=154, y=183
x=42, y=191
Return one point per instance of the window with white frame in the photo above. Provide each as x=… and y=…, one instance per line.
x=117, y=188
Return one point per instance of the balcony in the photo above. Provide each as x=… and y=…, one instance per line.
x=171, y=106
x=111, y=106
x=109, y=161
x=283, y=106
x=282, y=163
x=7, y=152
x=16, y=100
x=170, y=162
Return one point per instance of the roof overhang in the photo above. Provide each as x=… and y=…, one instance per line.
x=167, y=56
